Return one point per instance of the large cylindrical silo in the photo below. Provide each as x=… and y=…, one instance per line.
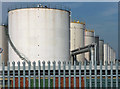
x=77, y=38
x=89, y=39
x=40, y=34
x=101, y=50
x=105, y=53
x=3, y=45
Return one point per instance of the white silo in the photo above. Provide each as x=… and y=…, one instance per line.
x=114, y=56
x=89, y=39
x=3, y=45
x=40, y=34
x=108, y=54
x=77, y=37
x=105, y=53
x=101, y=50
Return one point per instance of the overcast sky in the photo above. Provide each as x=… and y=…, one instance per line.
x=100, y=16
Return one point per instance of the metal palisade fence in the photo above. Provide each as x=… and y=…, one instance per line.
x=60, y=74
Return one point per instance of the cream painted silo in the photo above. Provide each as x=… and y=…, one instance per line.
x=101, y=50
x=114, y=56
x=3, y=45
x=105, y=53
x=77, y=38
x=89, y=39
x=40, y=34
x=108, y=54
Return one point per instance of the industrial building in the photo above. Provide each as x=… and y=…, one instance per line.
x=40, y=33
x=49, y=35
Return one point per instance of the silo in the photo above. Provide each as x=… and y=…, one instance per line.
x=77, y=37
x=114, y=56
x=108, y=54
x=105, y=53
x=39, y=34
x=89, y=39
x=3, y=45
x=101, y=50
x=97, y=51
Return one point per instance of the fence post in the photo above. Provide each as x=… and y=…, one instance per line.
x=3, y=74
x=18, y=74
x=80, y=74
x=74, y=73
x=39, y=72
x=54, y=73
x=100, y=73
x=23, y=74
x=34, y=69
x=117, y=73
x=111, y=73
x=85, y=73
x=13, y=74
x=48, y=73
x=29, y=69
x=8, y=68
x=69, y=74
x=59, y=64
x=64, y=68
x=90, y=65
x=95, y=74
x=105, y=73
x=43, y=74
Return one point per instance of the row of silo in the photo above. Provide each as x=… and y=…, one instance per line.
x=44, y=34
x=77, y=37
x=89, y=39
x=109, y=54
x=80, y=35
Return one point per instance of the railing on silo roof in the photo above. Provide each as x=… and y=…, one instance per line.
x=39, y=5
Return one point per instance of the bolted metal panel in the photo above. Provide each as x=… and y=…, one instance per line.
x=101, y=50
x=89, y=39
x=37, y=33
x=3, y=45
x=77, y=38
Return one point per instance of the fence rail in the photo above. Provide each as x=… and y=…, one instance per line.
x=64, y=74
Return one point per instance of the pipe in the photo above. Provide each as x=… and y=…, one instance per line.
x=88, y=46
x=80, y=51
